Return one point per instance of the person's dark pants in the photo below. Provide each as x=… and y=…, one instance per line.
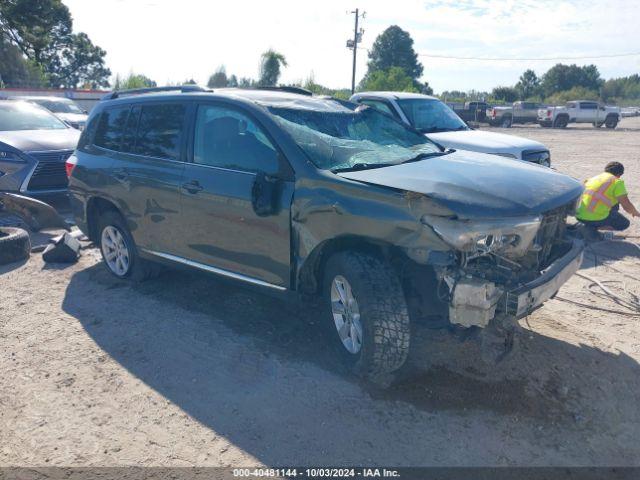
x=615, y=221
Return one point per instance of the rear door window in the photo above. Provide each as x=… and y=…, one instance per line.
x=160, y=130
x=110, y=128
x=588, y=106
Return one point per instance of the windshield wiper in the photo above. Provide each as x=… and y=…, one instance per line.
x=443, y=130
x=422, y=156
x=361, y=166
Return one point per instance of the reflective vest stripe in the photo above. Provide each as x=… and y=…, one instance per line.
x=599, y=195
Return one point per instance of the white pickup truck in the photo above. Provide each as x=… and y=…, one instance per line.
x=579, y=111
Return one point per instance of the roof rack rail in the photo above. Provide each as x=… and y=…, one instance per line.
x=140, y=91
x=289, y=89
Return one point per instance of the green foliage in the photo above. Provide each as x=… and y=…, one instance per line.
x=39, y=28
x=270, y=66
x=311, y=85
x=232, y=81
x=457, y=96
x=246, y=82
x=505, y=94
x=133, y=81
x=560, y=78
x=528, y=85
x=394, y=78
x=42, y=31
x=16, y=71
x=575, y=93
x=219, y=78
x=81, y=63
x=394, y=48
x=627, y=88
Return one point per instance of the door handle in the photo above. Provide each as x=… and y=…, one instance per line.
x=193, y=186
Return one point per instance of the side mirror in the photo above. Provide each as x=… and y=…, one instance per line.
x=265, y=194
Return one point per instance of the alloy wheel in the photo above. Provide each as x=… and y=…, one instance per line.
x=115, y=251
x=346, y=315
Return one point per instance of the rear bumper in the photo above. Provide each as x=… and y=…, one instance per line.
x=523, y=300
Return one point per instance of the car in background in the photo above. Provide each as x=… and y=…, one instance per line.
x=579, y=111
x=63, y=108
x=34, y=146
x=442, y=125
x=519, y=112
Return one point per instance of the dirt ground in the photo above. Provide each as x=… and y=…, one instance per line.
x=186, y=370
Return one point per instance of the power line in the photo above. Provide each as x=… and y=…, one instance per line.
x=613, y=55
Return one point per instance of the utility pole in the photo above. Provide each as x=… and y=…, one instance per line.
x=353, y=44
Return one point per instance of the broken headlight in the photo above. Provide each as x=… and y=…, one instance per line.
x=506, y=236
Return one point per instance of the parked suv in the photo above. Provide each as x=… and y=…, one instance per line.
x=315, y=196
x=441, y=124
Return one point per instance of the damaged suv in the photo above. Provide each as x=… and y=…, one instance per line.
x=293, y=193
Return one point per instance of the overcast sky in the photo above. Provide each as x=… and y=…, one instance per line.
x=173, y=40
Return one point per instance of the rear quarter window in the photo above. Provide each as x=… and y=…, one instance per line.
x=110, y=127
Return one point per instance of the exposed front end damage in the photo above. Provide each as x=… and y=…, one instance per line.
x=507, y=268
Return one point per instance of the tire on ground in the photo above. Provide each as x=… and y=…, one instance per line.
x=15, y=245
x=561, y=121
x=139, y=268
x=611, y=122
x=383, y=313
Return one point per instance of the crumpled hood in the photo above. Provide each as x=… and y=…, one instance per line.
x=41, y=140
x=485, y=142
x=475, y=185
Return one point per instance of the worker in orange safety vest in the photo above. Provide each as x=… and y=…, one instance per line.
x=600, y=203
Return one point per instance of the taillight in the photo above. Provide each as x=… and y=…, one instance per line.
x=493, y=113
x=70, y=164
x=548, y=113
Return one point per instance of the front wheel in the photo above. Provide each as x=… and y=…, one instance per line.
x=367, y=314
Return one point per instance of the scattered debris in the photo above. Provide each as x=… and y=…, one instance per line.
x=64, y=249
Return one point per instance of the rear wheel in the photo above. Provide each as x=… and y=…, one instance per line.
x=507, y=122
x=367, y=314
x=119, y=251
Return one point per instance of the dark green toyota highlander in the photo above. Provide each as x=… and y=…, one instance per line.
x=315, y=196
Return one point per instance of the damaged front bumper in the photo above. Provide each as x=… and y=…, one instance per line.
x=475, y=302
x=523, y=300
